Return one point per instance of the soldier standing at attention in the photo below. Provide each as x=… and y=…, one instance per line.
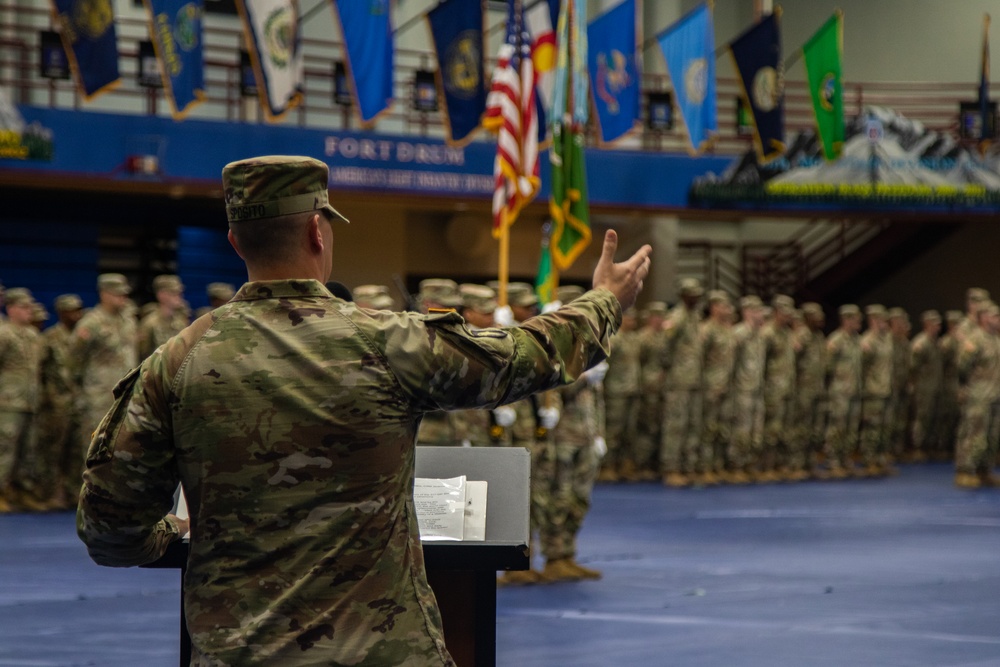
x=779, y=383
x=876, y=388
x=438, y=295
x=925, y=377
x=719, y=350
x=621, y=400
x=304, y=541
x=167, y=319
x=102, y=350
x=899, y=405
x=680, y=358
x=58, y=426
x=810, y=393
x=20, y=353
x=218, y=294
x=747, y=391
x=975, y=298
x=647, y=436
x=944, y=436
x=979, y=373
x=843, y=358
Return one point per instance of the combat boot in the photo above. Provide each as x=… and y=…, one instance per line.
x=5, y=507
x=676, y=480
x=560, y=569
x=739, y=477
x=965, y=480
x=584, y=572
x=709, y=478
x=520, y=578
x=988, y=480
x=627, y=472
x=608, y=474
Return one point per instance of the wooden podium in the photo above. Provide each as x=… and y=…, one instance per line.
x=462, y=574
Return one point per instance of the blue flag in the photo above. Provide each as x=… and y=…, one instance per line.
x=689, y=49
x=175, y=27
x=613, y=74
x=88, y=34
x=457, y=28
x=367, y=34
x=757, y=54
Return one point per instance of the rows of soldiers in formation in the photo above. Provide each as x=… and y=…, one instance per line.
x=56, y=383
x=696, y=397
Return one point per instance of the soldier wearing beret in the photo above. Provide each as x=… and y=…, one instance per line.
x=290, y=417
x=102, y=350
x=20, y=355
x=166, y=319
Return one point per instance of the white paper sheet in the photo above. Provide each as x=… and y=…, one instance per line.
x=440, y=505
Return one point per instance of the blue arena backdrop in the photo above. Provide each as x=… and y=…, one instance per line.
x=99, y=144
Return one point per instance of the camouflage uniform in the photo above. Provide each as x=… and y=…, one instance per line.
x=843, y=354
x=650, y=418
x=899, y=405
x=925, y=376
x=58, y=434
x=809, y=403
x=779, y=384
x=719, y=345
x=296, y=451
x=20, y=352
x=876, y=387
x=622, y=400
x=439, y=427
x=979, y=368
x=680, y=434
x=298, y=473
x=748, y=403
x=944, y=436
x=102, y=351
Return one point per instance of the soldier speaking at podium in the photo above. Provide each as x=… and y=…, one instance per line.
x=290, y=417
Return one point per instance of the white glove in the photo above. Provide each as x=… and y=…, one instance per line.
x=503, y=316
x=504, y=416
x=595, y=375
x=551, y=306
x=600, y=447
x=548, y=417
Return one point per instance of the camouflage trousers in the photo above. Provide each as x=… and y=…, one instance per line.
x=55, y=453
x=717, y=419
x=621, y=421
x=681, y=449
x=949, y=413
x=978, y=432
x=573, y=471
x=747, y=430
x=924, y=420
x=874, y=427
x=647, y=431
x=842, y=429
x=899, y=419
x=805, y=430
x=18, y=451
x=777, y=440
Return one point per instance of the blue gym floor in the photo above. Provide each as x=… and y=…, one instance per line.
x=900, y=571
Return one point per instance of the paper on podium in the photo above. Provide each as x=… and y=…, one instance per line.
x=450, y=509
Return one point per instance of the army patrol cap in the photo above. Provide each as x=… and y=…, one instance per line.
x=954, y=316
x=223, y=291
x=68, y=302
x=812, y=308
x=38, y=312
x=382, y=302
x=718, y=296
x=691, y=287
x=930, y=316
x=875, y=310
x=521, y=295
x=897, y=314
x=783, y=303
x=20, y=296
x=977, y=294
x=567, y=293
x=849, y=309
x=168, y=283
x=114, y=283
x=369, y=291
x=751, y=301
x=655, y=308
x=275, y=185
x=479, y=298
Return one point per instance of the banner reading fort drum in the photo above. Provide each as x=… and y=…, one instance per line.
x=88, y=34
x=175, y=27
x=457, y=28
x=272, y=30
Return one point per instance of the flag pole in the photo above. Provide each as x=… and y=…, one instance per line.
x=504, y=272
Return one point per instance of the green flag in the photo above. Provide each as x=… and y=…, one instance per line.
x=568, y=202
x=822, y=55
x=545, y=282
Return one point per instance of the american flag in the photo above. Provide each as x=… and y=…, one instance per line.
x=511, y=113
